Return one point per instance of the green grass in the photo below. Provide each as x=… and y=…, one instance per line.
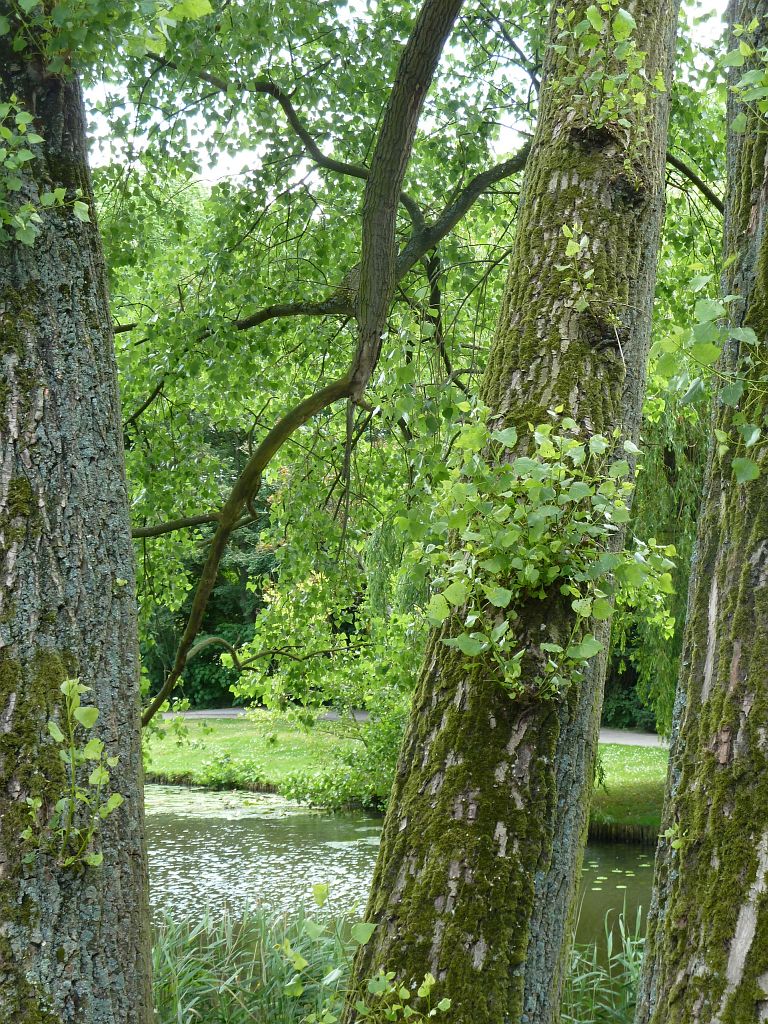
x=265, y=748
x=633, y=790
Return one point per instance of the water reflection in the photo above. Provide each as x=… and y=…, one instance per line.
x=210, y=849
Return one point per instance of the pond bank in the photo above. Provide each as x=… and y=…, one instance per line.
x=599, y=831
x=227, y=851
x=259, y=753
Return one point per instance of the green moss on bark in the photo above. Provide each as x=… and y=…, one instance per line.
x=707, y=948
x=29, y=767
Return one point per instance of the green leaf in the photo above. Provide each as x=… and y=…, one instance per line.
x=81, y=211
x=583, y=607
x=585, y=650
x=750, y=434
x=190, y=9
x=362, y=932
x=437, y=610
x=665, y=584
x=618, y=469
x=86, y=716
x=598, y=444
x=498, y=596
x=320, y=892
x=314, y=930
x=745, y=334
x=28, y=5
x=696, y=391
x=507, y=437
x=94, y=859
x=456, y=593
x=623, y=25
x=739, y=124
x=706, y=353
x=745, y=470
x=114, y=801
x=579, y=490
x=99, y=776
x=5, y=25
x=468, y=645
x=26, y=235
x=594, y=18
x=699, y=282
x=733, y=59
x=94, y=748
x=708, y=309
x=731, y=393
x=56, y=732
x=602, y=609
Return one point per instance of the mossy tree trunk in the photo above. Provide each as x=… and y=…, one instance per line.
x=707, y=947
x=480, y=855
x=74, y=942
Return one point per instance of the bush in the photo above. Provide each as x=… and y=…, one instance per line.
x=361, y=777
x=623, y=707
x=225, y=772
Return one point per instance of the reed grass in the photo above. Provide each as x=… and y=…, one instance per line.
x=224, y=969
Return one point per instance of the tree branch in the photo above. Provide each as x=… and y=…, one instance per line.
x=283, y=652
x=131, y=421
x=267, y=87
x=246, y=487
x=378, y=263
x=700, y=184
x=174, y=524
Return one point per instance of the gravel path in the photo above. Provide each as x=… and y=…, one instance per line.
x=631, y=739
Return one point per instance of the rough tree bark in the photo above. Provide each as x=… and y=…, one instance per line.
x=480, y=855
x=74, y=942
x=707, y=947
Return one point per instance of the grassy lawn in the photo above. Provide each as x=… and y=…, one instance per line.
x=633, y=790
x=262, y=748
x=265, y=748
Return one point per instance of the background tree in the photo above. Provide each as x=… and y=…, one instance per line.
x=482, y=842
x=707, y=954
x=74, y=927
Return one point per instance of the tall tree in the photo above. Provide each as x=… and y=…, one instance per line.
x=74, y=937
x=476, y=876
x=707, y=947
x=365, y=294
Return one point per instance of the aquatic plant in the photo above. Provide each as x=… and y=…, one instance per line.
x=225, y=969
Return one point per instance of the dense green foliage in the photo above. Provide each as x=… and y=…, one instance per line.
x=270, y=234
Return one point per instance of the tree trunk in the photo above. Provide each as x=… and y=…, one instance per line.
x=707, y=947
x=74, y=941
x=480, y=855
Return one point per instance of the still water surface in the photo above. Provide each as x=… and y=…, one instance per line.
x=216, y=850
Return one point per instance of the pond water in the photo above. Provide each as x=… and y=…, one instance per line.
x=235, y=849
